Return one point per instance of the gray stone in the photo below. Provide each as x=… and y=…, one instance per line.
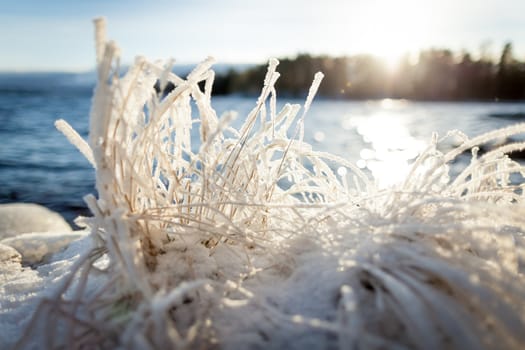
x=36, y=247
x=17, y=218
x=10, y=263
x=9, y=254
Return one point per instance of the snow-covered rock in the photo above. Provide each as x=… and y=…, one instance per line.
x=32, y=232
x=36, y=247
x=10, y=262
x=9, y=254
x=17, y=218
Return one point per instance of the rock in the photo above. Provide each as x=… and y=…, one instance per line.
x=36, y=247
x=17, y=218
x=10, y=262
x=9, y=255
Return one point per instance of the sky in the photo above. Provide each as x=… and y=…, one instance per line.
x=57, y=35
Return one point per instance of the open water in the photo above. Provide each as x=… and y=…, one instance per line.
x=37, y=163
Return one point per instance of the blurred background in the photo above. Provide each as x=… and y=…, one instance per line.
x=395, y=71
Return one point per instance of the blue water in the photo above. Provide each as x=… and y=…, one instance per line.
x=37, y=163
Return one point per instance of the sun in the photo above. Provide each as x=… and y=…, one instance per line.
x=392, y=29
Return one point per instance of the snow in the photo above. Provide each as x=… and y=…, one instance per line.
x=35, y=247
x=31, y=262
x=22, y=288
x=16, y=218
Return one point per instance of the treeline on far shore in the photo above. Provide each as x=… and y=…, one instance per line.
x=437, y=75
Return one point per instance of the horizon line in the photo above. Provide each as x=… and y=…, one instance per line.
x=86, y=70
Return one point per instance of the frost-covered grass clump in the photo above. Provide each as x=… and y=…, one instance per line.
x=255, y=241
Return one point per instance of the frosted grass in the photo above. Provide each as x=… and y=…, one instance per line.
x=257, y=240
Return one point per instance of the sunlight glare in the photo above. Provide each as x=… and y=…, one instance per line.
x=391, y=147
x=392, y=29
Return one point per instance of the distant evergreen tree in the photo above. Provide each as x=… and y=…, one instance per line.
x=510, y=78
x=438, y=75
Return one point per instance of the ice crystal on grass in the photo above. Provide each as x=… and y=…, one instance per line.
x=257, y=240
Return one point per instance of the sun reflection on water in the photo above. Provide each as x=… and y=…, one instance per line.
x=390, y=147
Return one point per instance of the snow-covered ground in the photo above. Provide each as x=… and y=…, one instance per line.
x=33, y=257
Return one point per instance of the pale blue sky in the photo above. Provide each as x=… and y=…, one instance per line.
x=57, y=35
